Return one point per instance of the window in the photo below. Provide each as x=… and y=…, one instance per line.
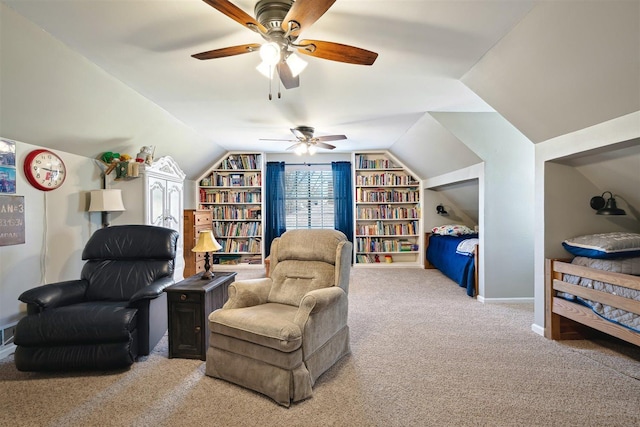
x=309, y=197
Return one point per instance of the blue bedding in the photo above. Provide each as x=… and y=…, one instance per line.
x=441, y=253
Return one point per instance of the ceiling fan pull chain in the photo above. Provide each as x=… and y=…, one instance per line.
x=279, y=94
x=270, y=97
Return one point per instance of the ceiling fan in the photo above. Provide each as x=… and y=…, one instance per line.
x=280, y=22
x=305, y=142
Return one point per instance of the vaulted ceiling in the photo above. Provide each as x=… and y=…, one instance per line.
x=86, y=76
x=424, y=48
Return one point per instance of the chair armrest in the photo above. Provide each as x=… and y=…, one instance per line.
x=247, y=293
x=152, y=290
x=52, y=295
x=316, y=301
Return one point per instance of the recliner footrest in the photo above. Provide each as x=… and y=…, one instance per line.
x=84, y=323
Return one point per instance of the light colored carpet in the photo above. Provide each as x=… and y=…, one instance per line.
x=423, y=354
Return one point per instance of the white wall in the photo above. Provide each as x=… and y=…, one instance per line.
x=57, y=226
x=559, y=185
x=566, y=66
x=52, y=95
x=506, y=197
x=429, y=149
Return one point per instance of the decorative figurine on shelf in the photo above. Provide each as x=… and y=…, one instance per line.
x=145, y=155
x=122, y=170
x=388, y=259
x=377, y=258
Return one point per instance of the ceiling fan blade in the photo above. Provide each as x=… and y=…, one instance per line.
x=235, y=13
x=279, y=140
x=306, y=12
x=323, y=145
x=293, y=146
x=337, y=52
x=227, y=51
x=286, y=77
x=330, y=138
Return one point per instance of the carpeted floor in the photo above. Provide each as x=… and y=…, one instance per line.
x=423, y=354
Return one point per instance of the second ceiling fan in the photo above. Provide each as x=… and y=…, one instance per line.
x=305, y=142
x=280, y=22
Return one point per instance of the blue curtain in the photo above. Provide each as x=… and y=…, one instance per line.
x=274, y=216
x=343, y=198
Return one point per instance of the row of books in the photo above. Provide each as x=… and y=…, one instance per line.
x=363, y=163
x=369, y=244
x=231, y=212
x=251, y=245
x=227, y=259
x=242, y=161
x=237, y=229
x=388, y=229
x=385, y=195
x=232, y=180
x=217, y=196
x=387, y=212
x=385, y=179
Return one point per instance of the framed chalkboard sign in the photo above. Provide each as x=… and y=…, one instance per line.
x=11, y=220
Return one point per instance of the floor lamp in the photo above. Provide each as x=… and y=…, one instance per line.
x=106, y=201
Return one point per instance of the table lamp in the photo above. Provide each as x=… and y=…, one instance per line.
x=206, y=243
x=106, y=201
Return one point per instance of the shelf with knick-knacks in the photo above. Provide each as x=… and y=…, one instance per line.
x=232, y=191
x=388, y=206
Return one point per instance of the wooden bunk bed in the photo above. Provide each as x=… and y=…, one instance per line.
x=461, y=269
x=565, y=319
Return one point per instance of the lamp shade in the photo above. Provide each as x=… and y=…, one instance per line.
x=606, y=207
x=206, y=242
x=270, y=53
x=106, y=201
x=611, y=208
x=296, y=64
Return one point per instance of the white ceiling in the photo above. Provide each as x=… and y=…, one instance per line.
x=424, y=48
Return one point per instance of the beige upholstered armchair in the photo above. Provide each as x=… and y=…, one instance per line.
x=277, y=335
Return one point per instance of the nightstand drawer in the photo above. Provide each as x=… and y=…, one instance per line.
x=186, y=297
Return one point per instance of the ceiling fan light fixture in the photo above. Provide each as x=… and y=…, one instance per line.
x=311, y=149
x=266, y=70
x=270, y=53
x=296, y=64
x=301, y=149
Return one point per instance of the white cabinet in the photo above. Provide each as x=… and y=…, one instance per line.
x=155, y=197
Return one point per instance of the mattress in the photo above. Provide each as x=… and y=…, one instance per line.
x=442, y=253
x=622, y=265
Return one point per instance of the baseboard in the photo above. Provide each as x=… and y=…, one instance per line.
x=7, y=350
x=505, y=300
x=537, y=329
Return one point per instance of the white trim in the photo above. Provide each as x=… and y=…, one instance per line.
x=7, y=350
x=505, y=300
x=537, y=329
x=464, y=174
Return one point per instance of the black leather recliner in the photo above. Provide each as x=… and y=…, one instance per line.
x=116, y=312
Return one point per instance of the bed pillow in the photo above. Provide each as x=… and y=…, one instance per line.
x=604, y=245
x=452, y=230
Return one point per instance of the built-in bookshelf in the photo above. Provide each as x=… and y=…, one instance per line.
x=388, y=214
x=232, y=191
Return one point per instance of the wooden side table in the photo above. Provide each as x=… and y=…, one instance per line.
x=189, y=304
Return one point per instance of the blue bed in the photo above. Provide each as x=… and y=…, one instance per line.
x=442, y=254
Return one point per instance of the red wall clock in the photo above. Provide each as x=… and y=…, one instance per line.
x=44, y=170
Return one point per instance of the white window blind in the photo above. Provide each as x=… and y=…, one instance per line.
x=309, y=198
